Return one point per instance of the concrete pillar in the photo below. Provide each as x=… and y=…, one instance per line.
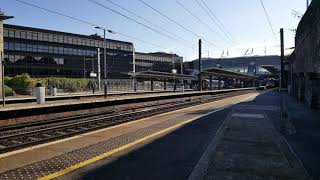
x=165, y=84
x=211, y=83
x=151, y=84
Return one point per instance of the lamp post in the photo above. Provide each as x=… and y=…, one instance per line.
x=2, y=18
x=105, y=53
x=134, y=70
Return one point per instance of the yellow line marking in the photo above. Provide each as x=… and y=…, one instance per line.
x=121, y=148
x=109, y=153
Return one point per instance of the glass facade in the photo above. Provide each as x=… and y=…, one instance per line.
x=43, y=53
x=157, y=62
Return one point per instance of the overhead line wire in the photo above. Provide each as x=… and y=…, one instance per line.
x=87, y=22
x=214, y=21
x=138, y=22
x=175, y=22
x=196, y=17
x=219, y=21
x=267, y=16
x=146, y=20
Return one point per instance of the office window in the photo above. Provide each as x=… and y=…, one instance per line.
x=35, y=48
x=17, y=34
x=92, y=43
x=40, y=36
x=75, y=41
x=45, y=49
x=23, y=35
x=96, y=43
x=65, y=51
x=6, y=33
x=11, y=46
x=75, y=51
x=11, y=58
x=65, y=39
x=111, y=46
x=55, y=38
x=6, y=45
x=17, y=46
x=101, y=44
x=29, y=35
x=50, y=37
x=45, y=37
x=29, y=47
x=51, y=49
x=35, y=36
x=23, y=47
x=69, y=40
x=56, y=50
x=83, y=42
x=87, y=42
x=60, y=39
x=11, y=33
x=60, y=50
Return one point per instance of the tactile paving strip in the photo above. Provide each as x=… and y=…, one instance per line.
x=49, y=166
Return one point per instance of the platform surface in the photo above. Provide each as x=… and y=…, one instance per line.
x=170, y=146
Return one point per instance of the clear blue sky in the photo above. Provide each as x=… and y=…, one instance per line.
x=244, y=19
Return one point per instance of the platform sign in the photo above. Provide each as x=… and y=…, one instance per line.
x=92, y=74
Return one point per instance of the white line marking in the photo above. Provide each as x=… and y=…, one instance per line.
x=247, y=115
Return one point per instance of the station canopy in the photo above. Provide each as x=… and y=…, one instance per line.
x=161, y=75
x=225, y=73
x=271, y=68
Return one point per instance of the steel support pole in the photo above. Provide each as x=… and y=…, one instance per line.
x=2, y=83
x=200, y=68
x=134, y=83
x=99, y=71
x=282, y=59
x=105, y=82
x=182, y=80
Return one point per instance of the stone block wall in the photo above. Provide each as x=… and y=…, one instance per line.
x=306, y=62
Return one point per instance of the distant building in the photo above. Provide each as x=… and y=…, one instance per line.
x=43, y=53
x=248, y=65
x=158, y=61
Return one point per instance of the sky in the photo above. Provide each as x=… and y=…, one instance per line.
x=244, y=26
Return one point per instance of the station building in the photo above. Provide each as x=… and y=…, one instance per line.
x=43, y=53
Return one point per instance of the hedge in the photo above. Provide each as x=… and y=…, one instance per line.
x=23, y=84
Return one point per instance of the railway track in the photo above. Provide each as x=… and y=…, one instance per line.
x=17, y=137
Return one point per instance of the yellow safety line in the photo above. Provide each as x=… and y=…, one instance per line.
x=109, y=153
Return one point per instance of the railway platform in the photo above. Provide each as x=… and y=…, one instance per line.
x=231, y=138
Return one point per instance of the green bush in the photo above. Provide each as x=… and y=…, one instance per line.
x=9, y=91
x=21, y=84
x=68, y=84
